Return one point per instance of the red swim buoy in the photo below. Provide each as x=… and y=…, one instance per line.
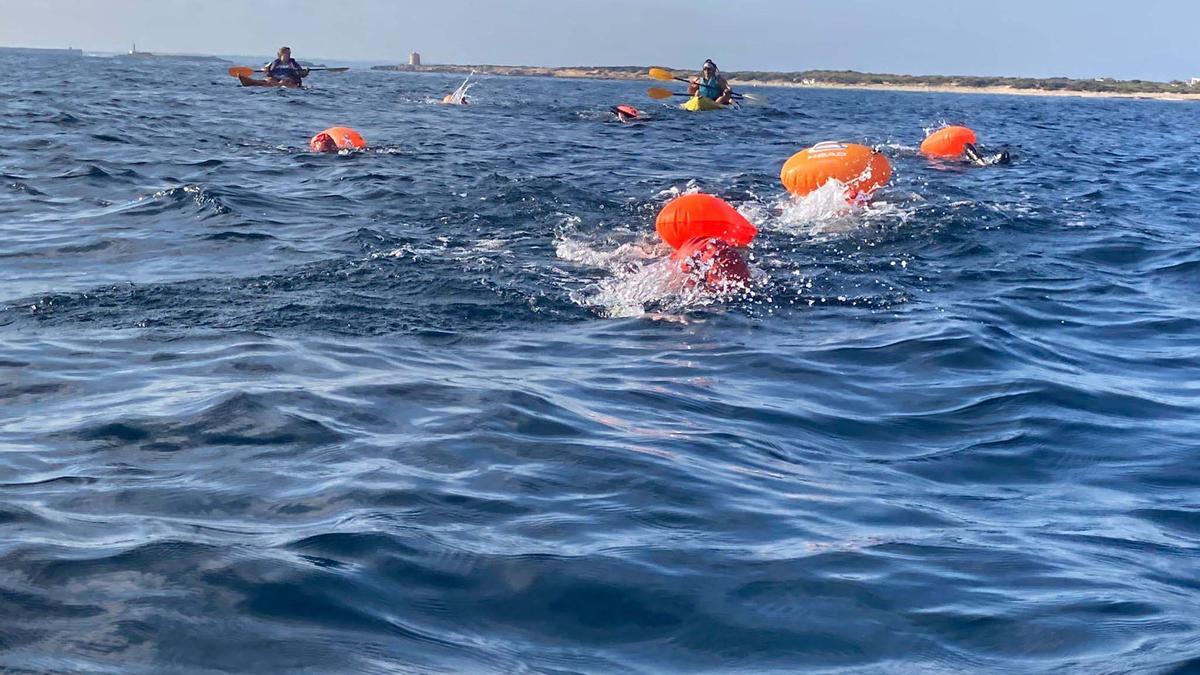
x=949, y=143
x=702, y=216
x=337, y=138
x=627, y=110
x=860, y=168
x=717, y=263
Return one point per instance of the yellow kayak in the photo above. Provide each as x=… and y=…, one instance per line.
x=697, y=103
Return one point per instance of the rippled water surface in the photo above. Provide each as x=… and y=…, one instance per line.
x=437, y=407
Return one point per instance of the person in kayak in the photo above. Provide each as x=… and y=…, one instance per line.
x=285, y=69
x=711, y=84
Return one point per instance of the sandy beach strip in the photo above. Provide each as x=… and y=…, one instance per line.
x=600, y=73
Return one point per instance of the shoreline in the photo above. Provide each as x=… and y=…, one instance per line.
x=949, y=89
x=632, y=74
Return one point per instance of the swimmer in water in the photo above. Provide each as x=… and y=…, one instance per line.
x=974, y=155
x=626, y=113
x=323, y=142
x=335, y=139
x=713, y=263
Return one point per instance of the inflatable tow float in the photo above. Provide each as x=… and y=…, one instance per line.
x=337, y=138
x=626, y=112
x=861, y=169
x=948, y=142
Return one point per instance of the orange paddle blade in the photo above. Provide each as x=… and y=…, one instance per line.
x=240, y=71
x=662, y=74
x=659, y=94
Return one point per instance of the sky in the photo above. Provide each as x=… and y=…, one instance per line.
x=1150, y=39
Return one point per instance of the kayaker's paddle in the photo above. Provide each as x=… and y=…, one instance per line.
x=243, y=71
x=665, y=75
x=659, y=94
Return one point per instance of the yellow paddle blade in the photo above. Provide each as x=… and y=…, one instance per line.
x=661, y=74
x=240, y=71
x=659, y=94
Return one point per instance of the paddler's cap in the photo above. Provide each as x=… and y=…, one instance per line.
x=709, y=64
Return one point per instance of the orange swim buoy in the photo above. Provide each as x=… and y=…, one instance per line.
x=860, y=168
x=627, y=110
x=697, y=216
x=343, y=138
x=949, y=142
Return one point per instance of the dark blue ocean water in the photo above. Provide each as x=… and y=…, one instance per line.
x=436, y=407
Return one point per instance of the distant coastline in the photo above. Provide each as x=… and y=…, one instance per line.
x=41, y=51
x=824, y=79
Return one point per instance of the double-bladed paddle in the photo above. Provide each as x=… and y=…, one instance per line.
x=243, y=71
x=664, y=75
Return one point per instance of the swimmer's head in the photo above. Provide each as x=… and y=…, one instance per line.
x=323, y=142
x=715, y=263
x=725, y=266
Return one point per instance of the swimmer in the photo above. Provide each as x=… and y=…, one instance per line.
x=705, y=234
x=335, y=139
x=323, y=142
x=459, y=96
x=974, y=155
x=713, y=263
x=626, y=113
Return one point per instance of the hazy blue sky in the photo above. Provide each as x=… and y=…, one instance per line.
x=1146, y=39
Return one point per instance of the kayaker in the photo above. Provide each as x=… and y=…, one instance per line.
x=285, y=69
x=711, y=84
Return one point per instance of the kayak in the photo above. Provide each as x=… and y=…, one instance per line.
x=698, y=103
x=251, y=82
